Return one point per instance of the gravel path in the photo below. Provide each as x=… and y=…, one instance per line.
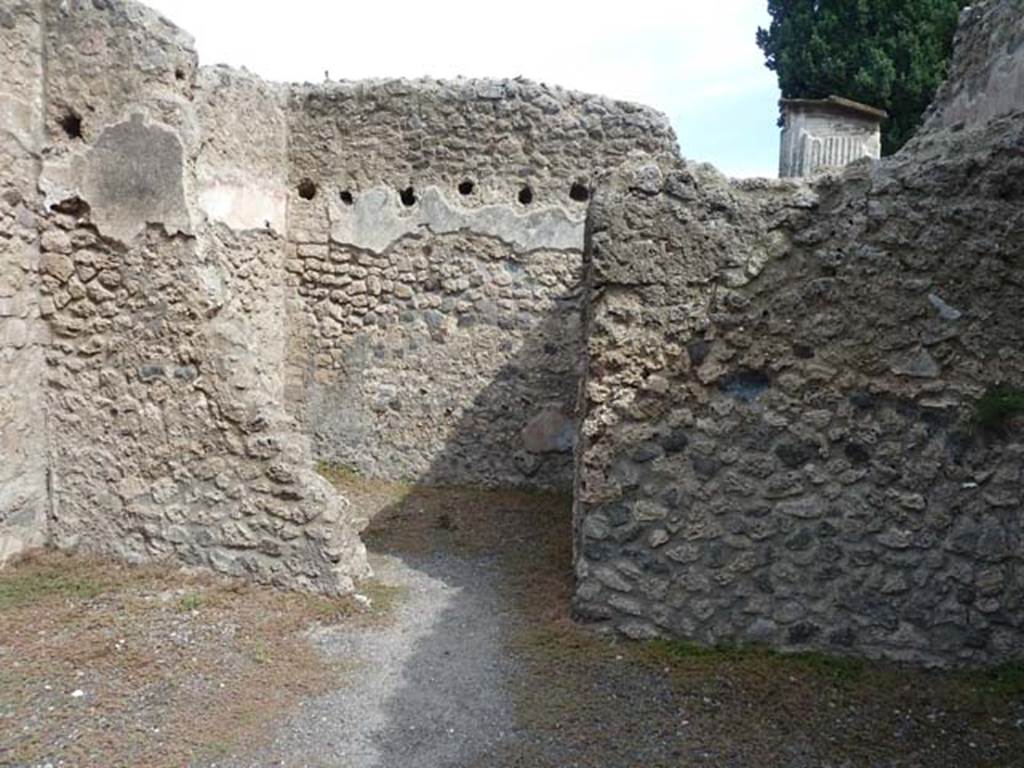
x=429, y=688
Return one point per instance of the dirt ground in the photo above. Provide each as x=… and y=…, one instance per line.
x=465, y=656
x=107, y=665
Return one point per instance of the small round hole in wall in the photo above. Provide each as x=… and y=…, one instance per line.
x=179, y=73
x=579, y=193
x=525, y=195
x=307, y=189
x=408, y=196
x=466, y=187
x=71, y=124
x=346, y=197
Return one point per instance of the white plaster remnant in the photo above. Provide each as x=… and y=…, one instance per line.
x=135, y=176
x=17, y=118
x=244, y=205
x=377, y=219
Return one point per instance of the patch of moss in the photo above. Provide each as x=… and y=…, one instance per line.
x=30, y=582
x=383, y=600
x=823, y=665
x=837, y=668
x=349, y=479
x=1005, y=681
x=997, y=406
x=190, y=602
x=337, y=473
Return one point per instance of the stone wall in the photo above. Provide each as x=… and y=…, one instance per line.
x=781, y=439
x=438, y=335
x=779, y=443
x=987, y=76
x=164, y=297
x=23, y=479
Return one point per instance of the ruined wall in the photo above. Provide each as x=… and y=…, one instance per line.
x=987, y=75
x=781, y=440
x=208, y=282
x=780, y=443
x=415, y=302
x=195, y=277
x=165, y=298
x=439, y=265
x=23, y=495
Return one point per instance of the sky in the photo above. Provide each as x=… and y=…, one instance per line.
x=694, y=60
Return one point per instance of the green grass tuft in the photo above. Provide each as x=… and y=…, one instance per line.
x=28, y=582
x=1005, y=681
x=839, y=669
x=190, y=602
x=337, y=473
x=997, y=406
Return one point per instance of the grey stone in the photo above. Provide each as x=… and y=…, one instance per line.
x=807, y=508
x=763, y=631
x=638, y=630
x=684, y=553
x=918, y=364
x=647, y=179
x=612, y=579
x=549, y=431
x=946, y=312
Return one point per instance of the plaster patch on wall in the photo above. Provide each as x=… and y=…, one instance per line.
x=244, y=205
x=131, y=177
x=134, y=177
x=17, y=118
x=987, y=76
x=377, y=219
x=1002, y=94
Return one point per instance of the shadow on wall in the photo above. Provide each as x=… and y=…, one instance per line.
x=462, y=370
x=520, y=423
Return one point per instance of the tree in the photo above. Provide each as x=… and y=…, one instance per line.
x=891, y=54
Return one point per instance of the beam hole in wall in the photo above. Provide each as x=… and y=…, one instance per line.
x=408, y=196
x=466, y=187
x=579, y=193
x=307, y=189
x=526, y=195
x=179, y=73
x=71, y=206
x=71, y=124
x=347, y=197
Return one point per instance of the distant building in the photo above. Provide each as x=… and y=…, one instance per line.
x=818, y=134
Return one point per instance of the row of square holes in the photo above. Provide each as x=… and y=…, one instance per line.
x=307, y=191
